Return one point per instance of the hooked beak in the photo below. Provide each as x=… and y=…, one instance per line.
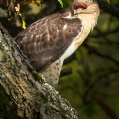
x=77, y=6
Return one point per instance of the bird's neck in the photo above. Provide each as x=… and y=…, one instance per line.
x=88, y=22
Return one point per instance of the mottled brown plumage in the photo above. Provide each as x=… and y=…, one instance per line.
x=52, y=39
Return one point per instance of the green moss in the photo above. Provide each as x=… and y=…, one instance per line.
x=38, y=77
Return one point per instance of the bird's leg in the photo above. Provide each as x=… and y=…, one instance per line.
x=52, y=73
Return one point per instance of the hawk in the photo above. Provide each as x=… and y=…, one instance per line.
x=50, y=40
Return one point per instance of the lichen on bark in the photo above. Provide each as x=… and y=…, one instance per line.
x=23, y=93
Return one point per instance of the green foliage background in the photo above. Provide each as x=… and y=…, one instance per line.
x=93, y=87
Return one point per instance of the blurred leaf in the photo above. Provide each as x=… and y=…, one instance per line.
x=65, y=3
x=107, y=1
x=60, y=1
x=23, y=21
x=38, y=2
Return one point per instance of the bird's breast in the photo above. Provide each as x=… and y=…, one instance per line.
x=88, y=24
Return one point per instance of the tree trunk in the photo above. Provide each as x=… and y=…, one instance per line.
x=23, y=93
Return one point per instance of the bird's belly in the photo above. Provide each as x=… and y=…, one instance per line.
x=70, y=50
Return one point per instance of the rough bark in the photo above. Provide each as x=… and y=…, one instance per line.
x=23, y=93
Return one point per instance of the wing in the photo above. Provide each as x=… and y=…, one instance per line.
x=47, y=39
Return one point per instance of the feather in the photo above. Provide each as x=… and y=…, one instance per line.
x=46, y=40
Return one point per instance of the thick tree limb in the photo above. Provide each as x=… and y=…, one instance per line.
x=113, y=10
x=23, y=93
x=107, y=109
x=66, y=71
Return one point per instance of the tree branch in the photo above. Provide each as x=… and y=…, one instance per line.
x=25, y=93
x=108, y=110
x=113, y=10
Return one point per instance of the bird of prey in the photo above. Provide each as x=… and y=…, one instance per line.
x=50, y=40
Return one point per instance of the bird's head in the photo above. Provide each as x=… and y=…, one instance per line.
x=84, y=6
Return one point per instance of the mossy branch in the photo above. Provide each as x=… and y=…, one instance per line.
x=23, y=93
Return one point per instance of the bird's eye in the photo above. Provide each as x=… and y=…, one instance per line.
x=88, y=1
